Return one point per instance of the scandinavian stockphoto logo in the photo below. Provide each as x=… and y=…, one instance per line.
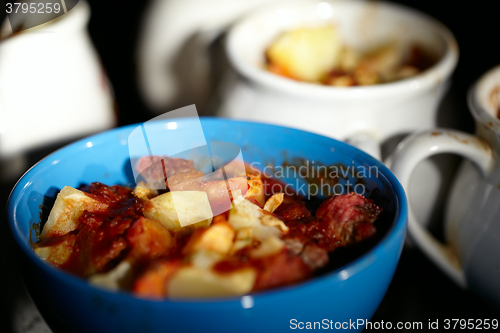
x=210, y=184
x=26, y=14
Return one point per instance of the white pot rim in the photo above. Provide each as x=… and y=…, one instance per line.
x=478, y=99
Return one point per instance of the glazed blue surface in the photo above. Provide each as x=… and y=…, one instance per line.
x=350, y=292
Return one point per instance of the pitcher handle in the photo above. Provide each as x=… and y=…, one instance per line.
x=414, y=150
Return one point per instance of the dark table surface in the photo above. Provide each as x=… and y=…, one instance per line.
x=419, y=291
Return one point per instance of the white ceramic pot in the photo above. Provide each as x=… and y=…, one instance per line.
x=472, y=224
x=359, y=113
x=52, y=84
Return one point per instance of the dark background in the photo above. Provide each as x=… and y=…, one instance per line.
x=419, y=290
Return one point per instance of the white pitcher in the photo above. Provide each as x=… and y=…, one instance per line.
x=52, y=84
x=470, y=255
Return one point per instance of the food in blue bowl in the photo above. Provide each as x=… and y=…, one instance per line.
x=332, y=288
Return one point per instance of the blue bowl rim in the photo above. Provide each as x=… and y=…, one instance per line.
x=352, y=268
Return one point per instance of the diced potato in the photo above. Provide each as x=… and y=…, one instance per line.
x=69, y=206
x=249, y=215
x=267, y=247
x=365, y=76
x=244, y=238
x=342, y=81
x=256, y=189
x=205, y=259
x=245, y=233
x=244, y=215
x=120, y=277
x=179, y=209
x=272, y=221
x=273, y=202
x=262, y=232
x=193, y=282
x=237, y=197
x=59, y=252
x=217, y=238
x=383, y=61
x=349, y=59
x=241, y=244
x=307, y=53
x=143, y=192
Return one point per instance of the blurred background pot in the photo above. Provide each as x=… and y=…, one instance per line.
x=472, y=224
x=52, y=86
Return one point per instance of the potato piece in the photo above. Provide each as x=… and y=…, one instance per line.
x=143, y=192
x=273, y=202
x=59, y=252
x=365, y=77
x=193, y=282
x=205, y=259
x=307, y=53
x=267, y=247
x=249, y=215
x=217, y=238
x=244, y=215
x=237, y=197
x=244, y=238
x=256, y=189
x=349, y=59
x=120, y=277
x=179, y=209
x=341, y=81
x=245, y=233
x=272, y=221
x=69, y=206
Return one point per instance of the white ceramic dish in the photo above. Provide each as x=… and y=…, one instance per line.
x=52, y=84
x=364, y=113
x=472, y=224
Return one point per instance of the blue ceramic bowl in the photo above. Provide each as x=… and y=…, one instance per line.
x=344, y=294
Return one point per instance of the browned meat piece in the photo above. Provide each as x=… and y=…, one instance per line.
x=314, y=256
x=279, y=270
x=345, y=219
x=306, y=248
x=152, y=283
x=339, y=221
x=102, y=256
x=101, y=236
x=155, y=169
x=107, y=194
x=294, y=211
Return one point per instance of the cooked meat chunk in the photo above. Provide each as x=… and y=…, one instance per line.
x=345, y=219
x=155, y=169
